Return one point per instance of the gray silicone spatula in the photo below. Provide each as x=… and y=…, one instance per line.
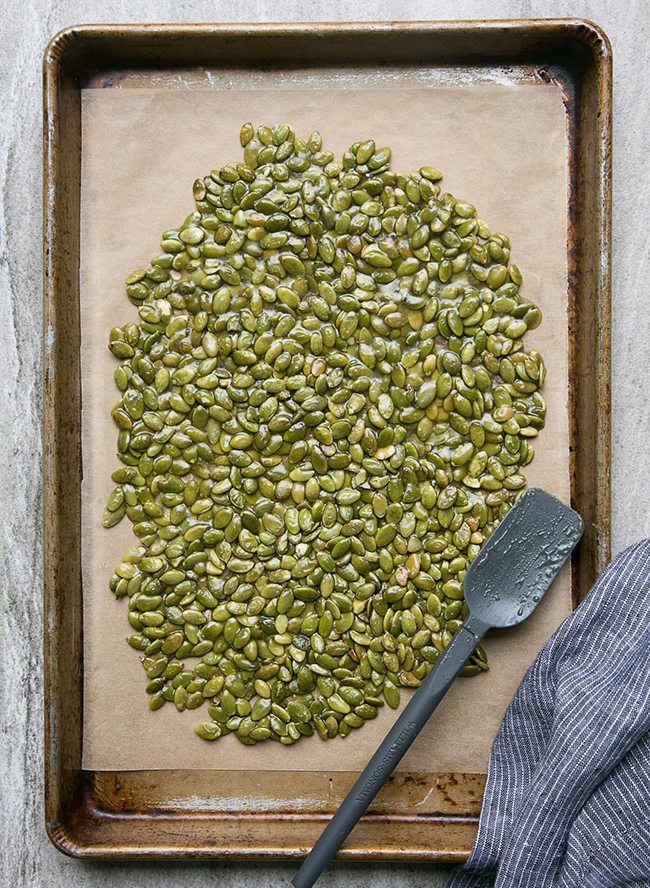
x=503, y=586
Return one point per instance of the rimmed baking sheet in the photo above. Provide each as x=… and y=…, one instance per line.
x=504, y=135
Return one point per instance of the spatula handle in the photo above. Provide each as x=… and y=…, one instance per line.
x=391, y=750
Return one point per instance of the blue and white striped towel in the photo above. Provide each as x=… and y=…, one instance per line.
x=567, y=800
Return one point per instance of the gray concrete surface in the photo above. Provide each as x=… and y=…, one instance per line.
x=26, y=856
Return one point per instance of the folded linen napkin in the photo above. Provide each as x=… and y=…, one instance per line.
x=567, y=800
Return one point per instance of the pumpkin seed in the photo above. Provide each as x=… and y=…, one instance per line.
x=323, y=414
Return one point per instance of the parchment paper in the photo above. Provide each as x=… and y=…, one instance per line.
x=502, y=147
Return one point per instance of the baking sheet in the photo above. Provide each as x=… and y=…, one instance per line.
x=503, y=147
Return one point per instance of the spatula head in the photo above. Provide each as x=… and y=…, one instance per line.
x=506, y=580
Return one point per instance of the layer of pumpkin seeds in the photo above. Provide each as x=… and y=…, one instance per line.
x=325, y=409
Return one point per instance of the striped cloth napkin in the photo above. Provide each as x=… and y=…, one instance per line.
x=567, y=800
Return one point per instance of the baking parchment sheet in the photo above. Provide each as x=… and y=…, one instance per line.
x=503, y=147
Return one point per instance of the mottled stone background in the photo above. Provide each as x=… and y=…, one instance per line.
x=27, y=858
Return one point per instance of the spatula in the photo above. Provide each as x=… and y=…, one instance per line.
x=502, y=587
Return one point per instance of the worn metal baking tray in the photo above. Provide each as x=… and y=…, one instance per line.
x=170, y=813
